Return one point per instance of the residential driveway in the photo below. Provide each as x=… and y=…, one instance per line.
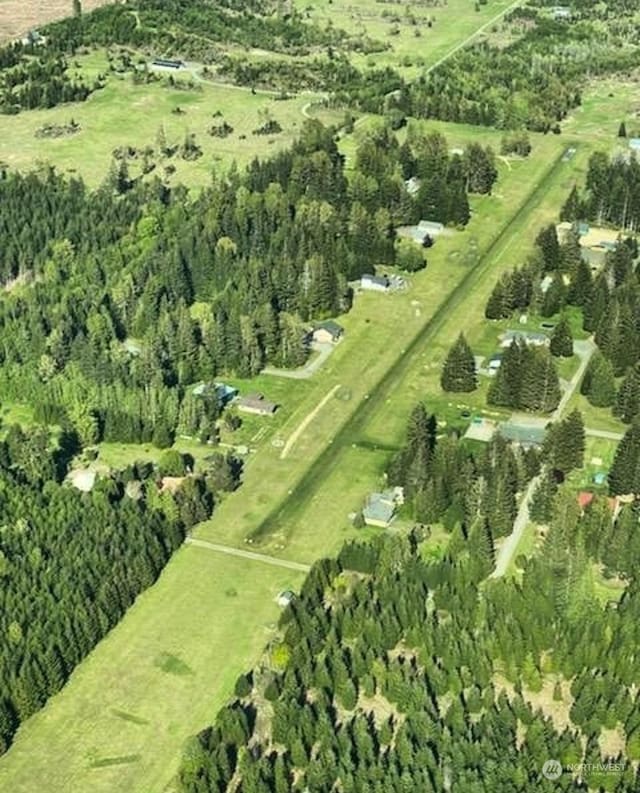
x=310, y=368
x=584, y=349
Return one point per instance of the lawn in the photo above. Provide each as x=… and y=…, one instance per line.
x=124, y=114
x=605, y=103
x=596, y=418
x=595, y=449
x=157, y=678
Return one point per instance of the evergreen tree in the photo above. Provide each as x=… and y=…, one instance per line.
x=622, y=130
x=624, y=476
x=459, y=370
x=547, y=242
x=498, y=304
x=598, y=383
x=565, y=443
x=627, y=404
x=562, y=340
x=572, y=208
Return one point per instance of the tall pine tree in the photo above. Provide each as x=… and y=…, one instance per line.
x=459, y=371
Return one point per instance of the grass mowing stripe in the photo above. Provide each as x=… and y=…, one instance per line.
x=354, y=425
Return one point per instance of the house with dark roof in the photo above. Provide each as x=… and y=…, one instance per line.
x=327, y=332
x=255, y=403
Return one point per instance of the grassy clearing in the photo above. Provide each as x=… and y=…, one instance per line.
x=596, y=449
x=417, y=36
x=596, y=418
x=530, y=541
x=157, y=678
x=605, y=103
x=124, y=114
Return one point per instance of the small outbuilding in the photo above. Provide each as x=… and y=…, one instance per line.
x=327, y=332
x=168, y=63
x=255, y=403
x=285, y=598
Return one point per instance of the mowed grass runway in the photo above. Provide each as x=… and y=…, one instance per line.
x=157, y=678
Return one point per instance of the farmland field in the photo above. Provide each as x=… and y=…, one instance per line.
x=17, y=16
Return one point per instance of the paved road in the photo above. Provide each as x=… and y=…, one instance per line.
x=252, y=555
x=585, y=350
x=309, y=369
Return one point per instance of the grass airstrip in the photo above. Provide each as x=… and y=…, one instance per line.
x=161, y=674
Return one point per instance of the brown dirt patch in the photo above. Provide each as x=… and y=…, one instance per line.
x=17, y=17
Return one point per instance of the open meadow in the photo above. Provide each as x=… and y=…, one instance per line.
x=127, y=114
x=418, y=34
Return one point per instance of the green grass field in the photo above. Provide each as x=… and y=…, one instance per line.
x=158, y=677
x=124, y=114
x=418, y=36
x=311, y=500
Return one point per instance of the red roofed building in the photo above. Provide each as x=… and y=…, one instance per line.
x=585, y=497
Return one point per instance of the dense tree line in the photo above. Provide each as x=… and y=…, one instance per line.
x=473, y=492
x=608, y=296
x=41, y=83
x=190, y=28
x=526, y=380
x=388, y=675
x=71, y=563
x=611, y=193
x=104, y=335
x=536, y=79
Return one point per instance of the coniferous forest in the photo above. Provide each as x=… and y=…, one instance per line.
x=265, y=251
x=72, y=562
x=395, y=672
x=608, y=298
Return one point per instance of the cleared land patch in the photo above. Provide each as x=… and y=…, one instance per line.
x=125, y=114
x=19, y=16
